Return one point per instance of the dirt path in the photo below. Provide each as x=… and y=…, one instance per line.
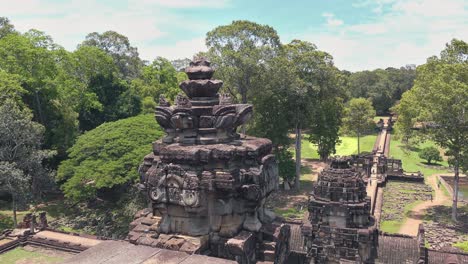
x=287, y=199
x=410, y=226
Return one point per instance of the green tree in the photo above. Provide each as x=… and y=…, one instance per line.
x=324, y=130
x=430, y=154
x=21, y=157
x=241, y=52
x=406, y=118
x=383, y=87
x=6, y=27
x=13, y=181
x=89, y=82
x=272, y=114
x=440, y=102
x=316, y=89
x=20, y=55
x=158, y=78
x=32, y=58
x=107, y=157
x=455, y=52
x=358, y=118
x=118, y=47
x=10, y=88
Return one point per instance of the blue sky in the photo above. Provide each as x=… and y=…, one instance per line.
x=360, y=34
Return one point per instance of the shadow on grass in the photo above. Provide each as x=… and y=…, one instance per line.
x=443, y=214
x=306, y=170
x=427, y=164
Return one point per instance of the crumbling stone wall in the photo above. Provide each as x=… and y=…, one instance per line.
x=340, y=227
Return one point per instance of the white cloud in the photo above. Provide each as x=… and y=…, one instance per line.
x=178, y=50
x=142, y=21
x=185, y=3
x=399, y=32
x=406, y=32
x=331, y=20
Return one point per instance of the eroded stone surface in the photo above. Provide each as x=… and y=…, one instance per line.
x=340, y=227
x=207, y=184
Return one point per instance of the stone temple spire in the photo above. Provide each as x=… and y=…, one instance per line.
x=202, y=116
x=207, y=185
x=339, y=227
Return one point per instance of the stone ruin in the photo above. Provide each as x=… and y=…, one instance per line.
x=30, y=221
x=339, y=227
x=206, y=183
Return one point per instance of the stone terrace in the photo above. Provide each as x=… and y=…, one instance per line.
x=123, y=252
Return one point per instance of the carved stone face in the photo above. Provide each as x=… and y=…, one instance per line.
x=172, y=185
x=190, y=198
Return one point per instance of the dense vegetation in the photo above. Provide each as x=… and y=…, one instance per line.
x=430, y=154
x=107, y=157
x=437, y=104
x=86, y=109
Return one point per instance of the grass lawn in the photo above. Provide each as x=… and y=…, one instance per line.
x=19, y=255
x=390, y=226
x=462, y=245
x=293, y=213
x=412, y=162
x=347, y=147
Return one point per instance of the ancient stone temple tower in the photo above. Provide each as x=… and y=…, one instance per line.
x=207, y=184
x=340, y=228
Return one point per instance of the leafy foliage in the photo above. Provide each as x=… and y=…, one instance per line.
x=383, y=87
x=158, y=78
x=286, y=165
x=6, y=27
x=10, y=88
x=325, y=128
x=5, y=222
x=21, y=159
x=440, y=101
x=241, y=52
x=107, y=156
x=430, y=154
x=358, y=117
x=118, y=47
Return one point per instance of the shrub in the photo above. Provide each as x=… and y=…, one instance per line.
x=107, y=156
x=6, y=222
x=430, y=154
x=286, y=164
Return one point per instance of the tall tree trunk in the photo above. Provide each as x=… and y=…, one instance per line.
x=15, y=220
x=244, y=101
x=298, y=156
x=358, y=143
x=455, y=187
x=39, y=107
